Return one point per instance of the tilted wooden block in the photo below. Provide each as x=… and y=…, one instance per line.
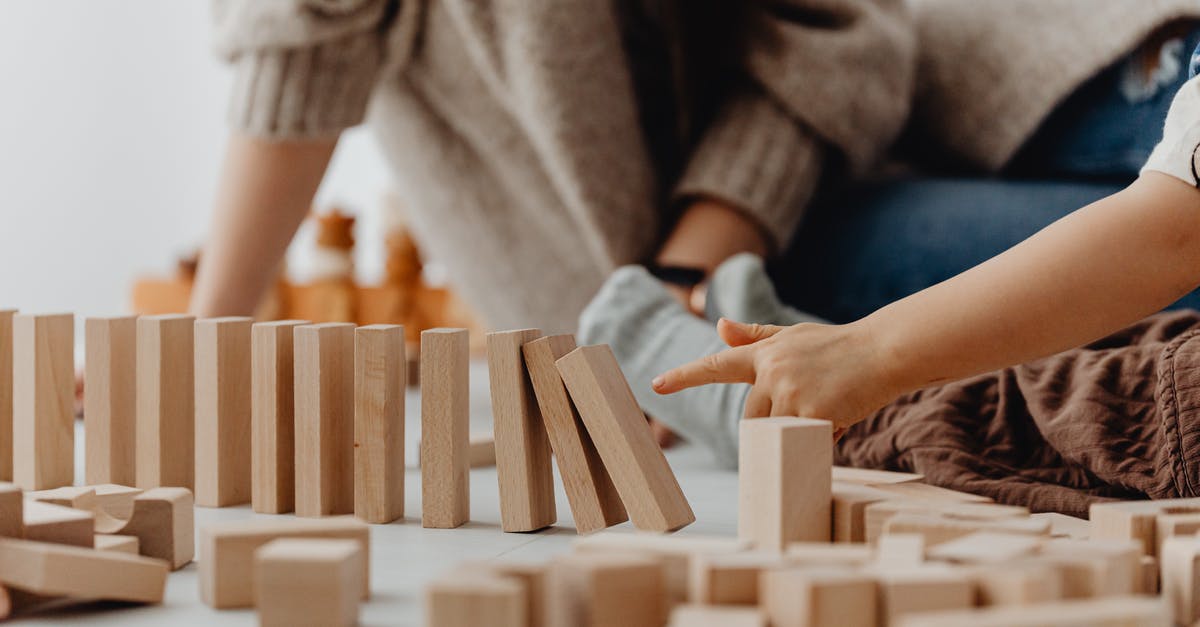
x=324, y=377
x=45, y=522
x=62, y=570
x=379, y=378
x=595, y=503
x=1094, y=568
x=120, y=544
x=730, y=578
x=784, y=481
x=1111, y=612
x=222, y=380
x=825, y=554
x=930, y=588
x=818, y=597
x=709, y=616
x=1180, y=561
x=166, y=402
x=530, y=576
x=43, y=434
x=227, y=552
x=849, y=504
x=1063, y=526
x=605, y=590
x=1022, y=582
x=12, y=511
x=6, y=392
x=445, y=422
x=475, y=599
x=1136, y=520
x=272, y=416
x=985, y=548
x=870, y=477
x=618, y=427
x=308, y=581
x=522, y=448
x=110, y=400
x=163, y=521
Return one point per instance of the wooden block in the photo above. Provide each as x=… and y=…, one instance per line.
x=926, y=492
x=939, y=528
x=1180, y=562
x=784, y=481
x=227, y=552
x=530, y=576
x=6, y=392
x=120, y=544
x=1094, y=568
x=308, y=581
x=12, y=511
x=674, y=553
x=379, y=378
x=222, y=384
x=1063, y=526
x=605, y=590
x=849, y=505
x=116, y=500
x=1147, y=582
x=985, y=548
x=618, y=427
x=272, y=416
x=870, y=477
x=708, y=616
x=324, y=377
x=81, y=498
x=481, y=450
x=1111, y=612
x=445, y=415
x=475, y=599
x=730, y=578
x=1168, y=525
x=43, y=435
x=61, y=570
x=522, y=448
x=875, y=515
x=1016, y=583
x=900, y=550
x=45, y=522
x=1136, y=520
x=163, y=521
x=825, y=554
x=930, y=588
x=595, y=503
x=816, y=597
x=110, y=400
x=165, y=402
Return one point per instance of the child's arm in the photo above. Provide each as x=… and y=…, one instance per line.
x=266, y=189
x=1089, y=274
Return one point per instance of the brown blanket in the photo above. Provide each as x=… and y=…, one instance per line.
x=1118, y=419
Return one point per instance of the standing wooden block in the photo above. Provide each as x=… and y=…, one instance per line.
x=12, y=511
x=43, y=435
x=591, y=494
x=163, y=521
x=609, y=590
x=62, y=570
x=6, y=392
x=165, y=402
x=324, y=419
x=1180, y=561
x=522, y=448
x=929, y=588
x=812, y=597
x=379, y=380
x=530, y=576
x=110, y=400
x=45, y=522
x=849, y=504
x=272, y=417
x=1016, y=583
x=308, y=581
x=618, y=427
x=120, y=544
x=222, y=411
x=709, y=616
x=1114, y=612
x=730, y=578
x=1094, y=568
x=784, y=475
x=1168, y=525
x=445, y=423
x=475, y=599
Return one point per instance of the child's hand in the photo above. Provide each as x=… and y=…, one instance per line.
x=809, y=370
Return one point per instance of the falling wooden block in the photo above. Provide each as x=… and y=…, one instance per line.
x=709, y=616
x=6, y=392
x=985, y=548
x=272, y=416
x=165, y=402
x=784, y=481
x=475, y=599
x=324, y=378
x=120, y=544
x=1180, y=561
x=45, y=522
x=1136, y=520
x=481, y=450
x=605, y=590
x=308, y=581
x=1147, y=582
x=875, y=515
x=900, y=550
x=1112, y=612
x=62, y=570
x=825, y=554
x=818, y=597
x=930, y=588
x=674, y=553
x=530, y=576
x=522, y=448
x=1063, y=526
x=1016, y=583
x=849, y=505
x=12, y=511
x=227, y=553
x=163, y=521
x=925, y=492
x=110, y=400
x=222, y=380
x=591, y=494
x=870, y=477
x=618, y=427
x=43, y=434
x=379, y=378
x=1094, y=568
x=730, y=578
x=445, y=489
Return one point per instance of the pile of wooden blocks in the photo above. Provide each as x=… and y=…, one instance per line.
x=822, y=546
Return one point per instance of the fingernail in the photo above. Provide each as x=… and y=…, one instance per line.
x=658, y=382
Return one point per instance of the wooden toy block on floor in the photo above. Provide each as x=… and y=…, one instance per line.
x=80, y=498
x=939, y=528
x=814, y=597
x=12, y=511
x=1148, y=578
x=1094, y=568
x=924, y=492
x=522, y=448
x=308, y=581
x=43, y=434
x=985, y=548
x=165, y=402
x=116, y=500
x=900, y=550
x=46, y=522
x=709, y=616
x=222, y=379
x=227, y=552
x=849, y=505
x=481, y=450
x=120, y=544
x=605, y=590
x=62, y=570
x=826, y=554
x=930, y=588
x=870, y=477
x=6, y=391
x=1017, y=583
x=784, y=481
x=1111, y=612
x=324, y=377
x=379, y=377
x=445, y=415
x=591, y=494
x=163, y=520
x=1168, y=525
x=110, y=400
x=475, y=599
x=531, y=577
x=272, y=416
x=876, y=515
x=1136, y=520
x=730, y=578
x=1063, y=526
x=618, y=427
x=1180, y=585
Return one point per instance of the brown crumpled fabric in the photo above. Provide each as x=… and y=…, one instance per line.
x=1117, y=419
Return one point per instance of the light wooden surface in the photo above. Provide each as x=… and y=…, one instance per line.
x=379, y=379
x=43, y=434
x=324, y=378
x=308, y=581
x=6, y=403
x=526, y=481
x=272, y=417
x=784, y=481
x=110, y=399
x=445, y=428
x=165, y=402
x=222, y=370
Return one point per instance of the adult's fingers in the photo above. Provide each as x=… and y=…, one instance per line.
x=741, y=334
x=758, y=403
x=735, y=365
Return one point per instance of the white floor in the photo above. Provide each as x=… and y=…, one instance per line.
x=404, y=556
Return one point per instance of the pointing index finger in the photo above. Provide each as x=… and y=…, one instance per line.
x=734, y=365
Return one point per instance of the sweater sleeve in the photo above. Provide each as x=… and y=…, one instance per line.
x=827, y=78
x=1178, y=154
x=302, y=68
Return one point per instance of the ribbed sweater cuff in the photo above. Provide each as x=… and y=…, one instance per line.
x=760, y=160
x=306, y=92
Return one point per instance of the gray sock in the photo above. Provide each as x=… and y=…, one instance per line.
x=650, y=332
x=741, y=290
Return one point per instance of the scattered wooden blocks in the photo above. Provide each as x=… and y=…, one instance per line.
x=985, y=548
x=272, y=416
x=1112, y=612
x=308, y=581
x=475, y=600
x=674, y=553
x=1180, y=585
x=1168, y=525
x=163, y=521
x=730, y=578
x=825, y=554
x=43, y=392
x=45, y=522
x=120, y=544
x=1148, y=578
x=849, y=505
x=12, y=511
x=784, y=481
x=875, y=515
x=1063, y=526
x=619, y=430
x=591, y=494
x=905, y=591
x=165, y=402
x=324, y=377
x=222, y=380
x=1017, y=583
x=62, y=570
x=815, y=597
x=6, y=392
x=80, y=498
x=445, y=468
x=110, y=400
x=709, y=616
x=939, y=528
x=530, y=576
x=605, y=590
x=379, y=378
x=116, y=500
x=1136, y=520
x=1094, y=568
x=522, y=448
x=900, y=550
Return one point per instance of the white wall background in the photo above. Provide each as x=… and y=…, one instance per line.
x=111, y=133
